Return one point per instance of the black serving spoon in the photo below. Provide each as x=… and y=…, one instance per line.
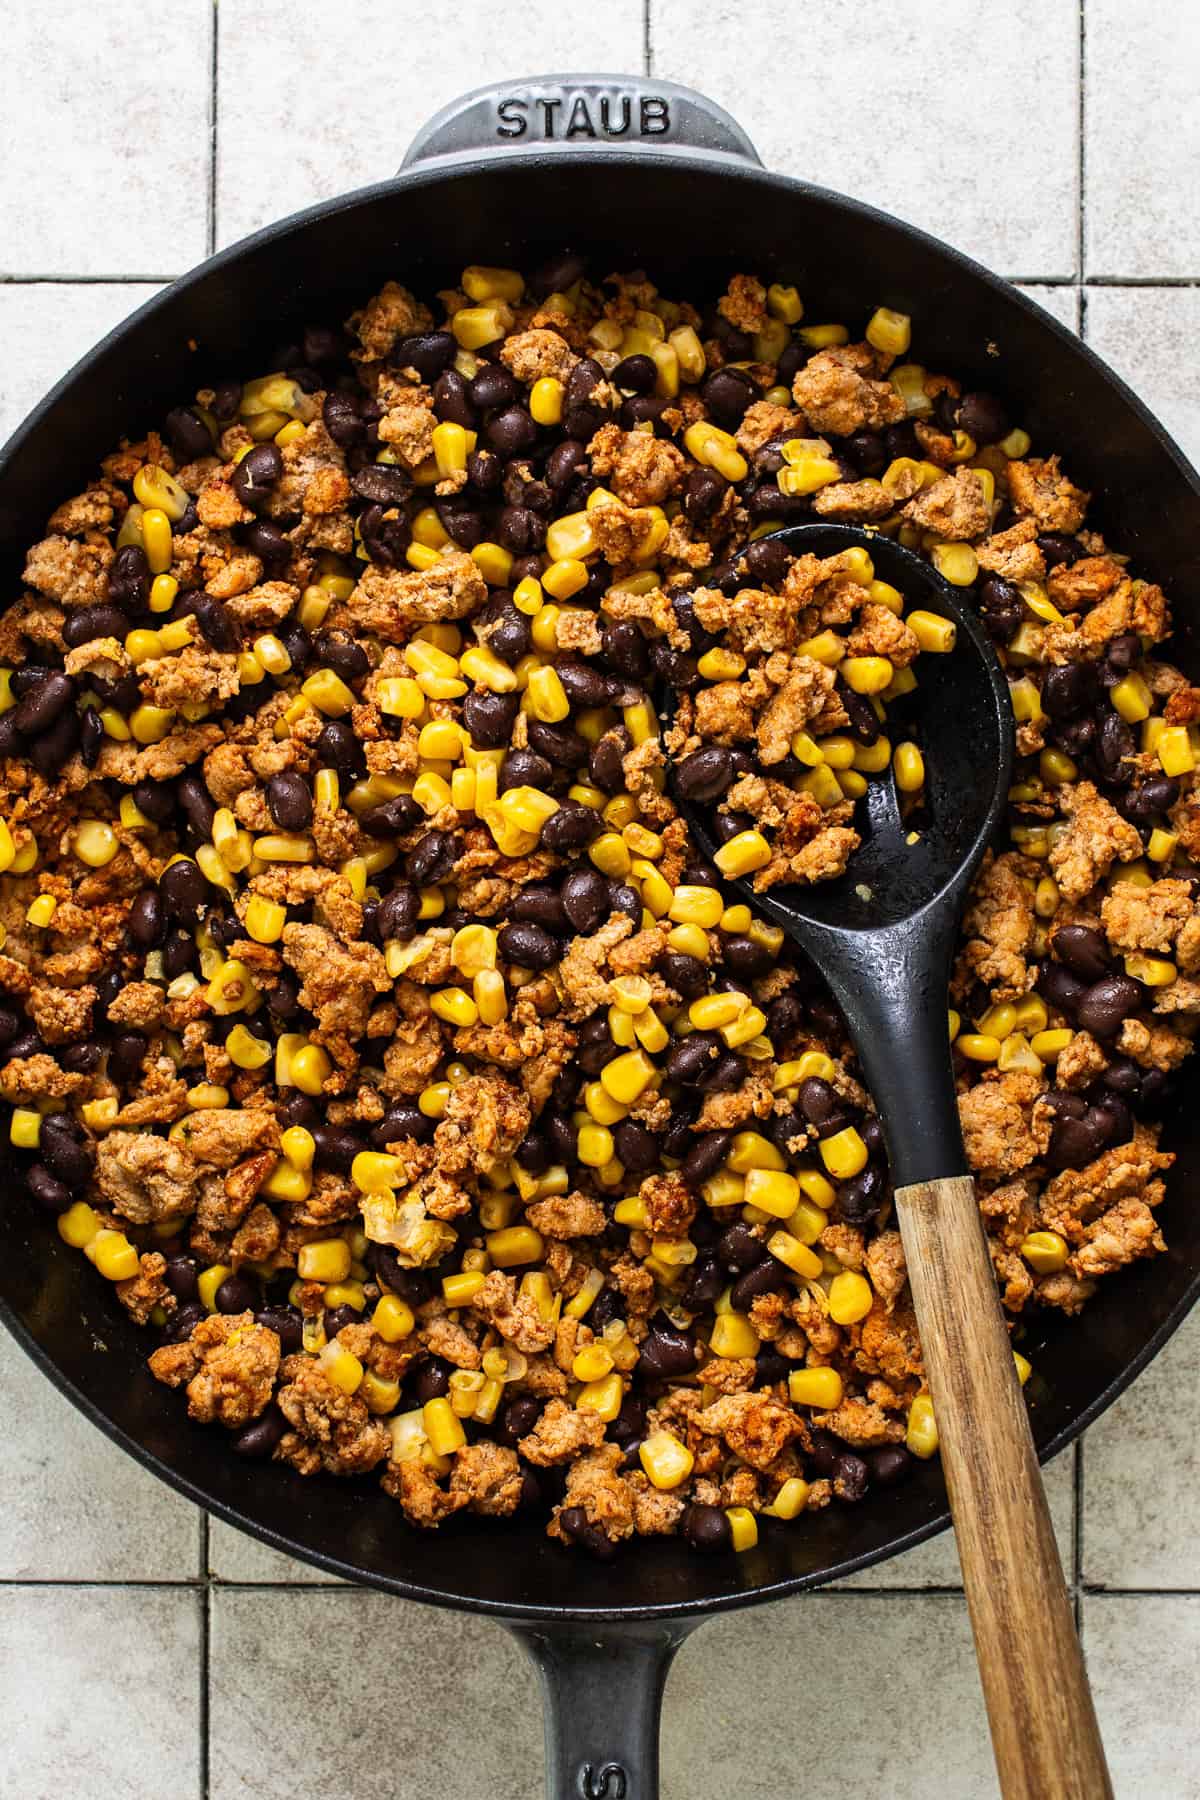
x=883, y=935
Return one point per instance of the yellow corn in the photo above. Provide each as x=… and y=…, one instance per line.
x=666, y=1460
x=78, y=1225
x=1175, y=752
x=821, y=1388
x=208, y=1284
x=246, y=1051
x=790, y=1250
x=844, y=1154
x=733, y=1336
x=850, y=1298
x=326, y=1260
x=933, y=633
x=1045, y=1251
x=922, y=1435
x=889, y=332
x=603, y=1397
x=743, y=854
x=513, y=1246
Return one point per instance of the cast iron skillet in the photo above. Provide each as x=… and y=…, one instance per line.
x=650, y=174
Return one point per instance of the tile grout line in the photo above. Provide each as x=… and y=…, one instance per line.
x=146, y=278
x=647, y=52
x=212, y=128
x=203, y=1746
x=1081, y=164
x=1077, y=1535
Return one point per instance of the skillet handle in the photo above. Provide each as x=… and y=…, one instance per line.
x=1044, y=1730
x=602, y=1688
x=561, y=113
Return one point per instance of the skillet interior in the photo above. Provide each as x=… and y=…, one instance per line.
x=845, y=259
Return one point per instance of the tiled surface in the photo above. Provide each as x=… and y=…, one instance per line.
x=1140, y=61
x=965, y=119
x=961, y=118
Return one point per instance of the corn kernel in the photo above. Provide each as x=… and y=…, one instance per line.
x=95, y=843
x=921, y=1438
x=850, y=1298
x=246, y=1051
x=666, y=1460
x=867, y=674
x=743, y=854
x=328, y=1259
x=42, y=910
x=1174, y=750
x=790, y=1501
x=442, y=1428
x=209, y=1282
x=789, y=1250
x=733, y=1336
x=603, y=1397
x=78, y=1225
x=1154, y=971
x=844, y=1154
x=743, y=1526
x=515, y=1245
x=821, y=1388
x=935, y=634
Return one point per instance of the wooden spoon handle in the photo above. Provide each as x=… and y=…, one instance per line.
x=1044, y=1732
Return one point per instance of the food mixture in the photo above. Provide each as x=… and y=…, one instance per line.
x=371, y=1024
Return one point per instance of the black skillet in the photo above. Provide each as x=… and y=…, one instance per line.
x=674, y=185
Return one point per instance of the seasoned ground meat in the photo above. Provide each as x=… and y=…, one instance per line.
x=361, y=984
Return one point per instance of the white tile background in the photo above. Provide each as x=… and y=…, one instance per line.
x=145, y=1651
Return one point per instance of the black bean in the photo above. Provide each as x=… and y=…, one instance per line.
x=485, y=471
x=489, y=717
x=540, y=904
x=343, y=421
x=565, y=748
x=816, y=1099
x=558, y=273
x=433, y=858
x=1083, y=950
x=403, y=1119
x=1003, y=608
x=398, y=913
x=65, y=1156
x=338, y=651
x=183, y=1322
x=290, y=801
x=637, y=1147
x=1122, y=1077
x=866, y=451
x=267, y=542
x=256, y=476
x=706, y=1529
x=766, y=1277
x=825, y=1451
x=579, y=1528
x=705, y=774
x=493, y=386
x=705, y=1157
x=452, y=400
x=227, y=398
x=520, y=530
x=236, y=1295
x=595, y=1047
x=1062, y=989
x=126, y=1056
x=9, y=1025
x=1106, y=1005
x=518, y=1419
x=727, y=394
x=197, y=804
x=129, y=579
x=864, y=726
x=584, y=897
x=337, y=747
x=691, y=1057
x=584, y=685
x=726, y=1074
x=391, y=818
x=524, y=768
x=91, y=737
x=81, y=1059
x=28, y=1044
x=1065, y=690
x=564, y=463
x=338, y=1317
x=1074, y=1143
x=184, y=890
x=766, y=561
x=1114, y=746
x=983, y=417
x=571, y=827
x=50, y=1193
x=44, y=704
x=383, y=484
x=746, y=957
x=624, y=899
x=88, y=622
x=503, y=629
x=889, y=1464
x=860, y=1198
x=637, y=374
x=529, y=946
x=428, y=352
x=605, y=760
x=667, y=1351
x=703, y=492
x=180, y=1275
x=686, y=974
x=188, y=435
x=259, y=1438
x=850, y=1475
x=179, y=953
x=432, y=1380
x=1058, y=548
x=1151, y=799
x=1112, y=1118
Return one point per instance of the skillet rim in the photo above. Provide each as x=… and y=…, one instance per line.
x=600, y=161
